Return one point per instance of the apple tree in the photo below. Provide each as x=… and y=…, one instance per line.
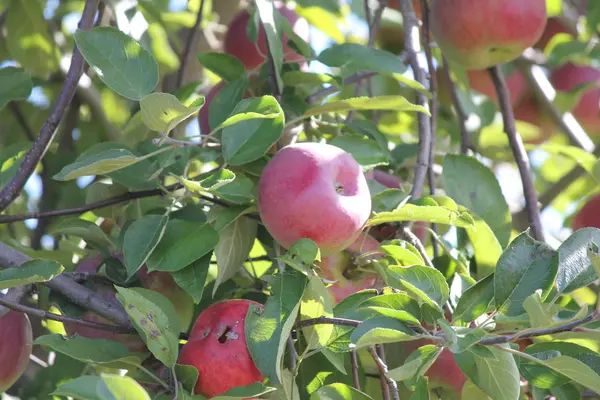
x=336, y=199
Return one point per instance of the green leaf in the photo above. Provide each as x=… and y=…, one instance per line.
x=316, y=303
x=266, y=15
x=225, y=101
x=223, y=65
x=306, y=251
x=475, y=186
x=100, y=163
x=431, y=214
x=539, y=315
x=103, y=387
x=121, y=63
x=85, y=230
x=141, y=238
x=235, y=242
x=425, y=282
x=220, y=217
x=244, y=392
x=192, y=278
x=15, y=84
x=183, y=243
x=155, y=319
x=249, y=139
x=367, y=152
x=239, y=191
x=404, y=253
x=91, y=351
x=32, y=271
x=487, y=248
x=28, y=38
x=209, y=184
x=187, y=375
x=404, y=307
x=392, y=103
x=575, y=269
x=422, y=390
x=525, y=266
x=267, y=332
x=497, y=376
x=162, y=112
x=584, y=159
x=416, y=365
x=475, y=301
x=574, y=369
x=338, y=391
x=380, y=330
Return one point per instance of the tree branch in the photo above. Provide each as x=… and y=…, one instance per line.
x=10, y=192
x=412, y=47
x=465, y=138
x=189, y=44
x=355, y=377
x=77, y=294
x=14, y=295
x=383, y=369
x=326, y=320
x=519, y=153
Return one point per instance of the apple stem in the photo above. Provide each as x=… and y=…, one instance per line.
x=519, y=153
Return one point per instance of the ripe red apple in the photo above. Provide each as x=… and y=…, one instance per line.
x=315, y=191
x=553, y=27
x=483, y=33
x=588, y=216
x=161, y=282
x=252, y=55
x=217, y=348
x=587, y=111
x=528, y=110
x=481, y=82
x=343, y=267
x=15, y=347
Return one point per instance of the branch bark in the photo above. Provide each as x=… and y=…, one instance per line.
x=189, y=44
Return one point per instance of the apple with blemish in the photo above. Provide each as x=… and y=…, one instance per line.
x=217, y=348
x=15, y=347
x=315, y=191
x=481, y=34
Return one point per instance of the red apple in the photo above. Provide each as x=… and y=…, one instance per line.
x=483, y=33
x=15, y=347
x=203, y=114
x=588, y=216
x=252, y=55
x=528, y=110
x=217, y=348
x=587, y=111
x=553, y=27
x=315, y=191
x=481, y=82
x=343, y=267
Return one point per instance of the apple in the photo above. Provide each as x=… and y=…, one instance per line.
x=342, y=268
x=315, y=191
x=553, y=27
x=15, y=347
x=252, y=55
x=395, y=4
x=203, y=114
x=587, y=216
x=528, y=110
x=161, y=282
x=217, y=348
x=480, y=34
x=587, y=111
x=480, y=81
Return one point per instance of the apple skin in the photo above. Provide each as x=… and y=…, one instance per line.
x=238, y=44
x=587, y=111
x=483, y=33
x=553, y=27
x=315, y=191
x=203, y=114
x=15, y=347
x=217, y=348
x=528, y=110
x=339, y=267
x=587, y=216
x=481, y=82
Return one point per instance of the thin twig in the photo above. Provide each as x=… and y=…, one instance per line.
x=465, y=139
x=383, y=369
x=325, y=321
x=189, y=44
x=10, y=192
x=62, y=318
x=355, y=377
x=406, y=234
x=412, y=47
x=293, y=353
x=519, y=153
x=14, y=295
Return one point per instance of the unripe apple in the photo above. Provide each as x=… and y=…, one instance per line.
x=343, y=268
x=480, y=34
x=553, y=27
x=217, y=348
x=588, y=216
x=315, y=191
x=587, y=111
x=15, y=347
x=252, y=55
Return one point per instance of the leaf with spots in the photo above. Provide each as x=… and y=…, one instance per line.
x=155, y=319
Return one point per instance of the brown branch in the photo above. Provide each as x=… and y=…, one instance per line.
x=465, y=138
x=411, y=46
x=377, y=355
x=77, y=294
x=406, y=234
x=10, y=192
x=189, y=43
x=326, y=320
x=62, y=318
x=519, y=153
x=14, y=295
x=355, y=378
